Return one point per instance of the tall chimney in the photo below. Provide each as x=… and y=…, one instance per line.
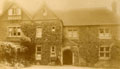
x=114, y=6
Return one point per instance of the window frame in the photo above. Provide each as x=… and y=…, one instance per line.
x=38, y=54
x=104, y=52
x=53, y=29
x=71, y=32
x=40, y=32
x=16, y=28
x=104, y=34
x=53, y=53
x=14, y=11
x=44, y=12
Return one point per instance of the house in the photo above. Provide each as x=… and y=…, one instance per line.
x=88, y=27
x=11, y=19
x=48, y=35
x=61, y=35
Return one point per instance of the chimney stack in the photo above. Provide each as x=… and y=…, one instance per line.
x=114, y=6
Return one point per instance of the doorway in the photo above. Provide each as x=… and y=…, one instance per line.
x=67, y=57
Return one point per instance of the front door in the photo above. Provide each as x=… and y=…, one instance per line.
x=67, y=57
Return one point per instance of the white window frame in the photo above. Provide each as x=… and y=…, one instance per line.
x=11, y=33
x=14, y=11
x=104, y=52
x=38, y=56
x=44, y=12
x=104, y=35
x=39, y=32
x=53, y=53
x=72, y=33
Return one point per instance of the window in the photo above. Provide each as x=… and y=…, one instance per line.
x=14, y=14
x=38, y=52
x=44, y=12
x=104, y=33
x=104, y=52
x=14, y=11
x=53, y=51
x=39, y=32
x=14, y=31
x=72, y=33
x=53, y=29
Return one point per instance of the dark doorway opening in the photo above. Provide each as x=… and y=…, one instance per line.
x=67, y=57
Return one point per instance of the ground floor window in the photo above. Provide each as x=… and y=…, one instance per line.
x=53, y=51
x=38, y=52
x=104, y=52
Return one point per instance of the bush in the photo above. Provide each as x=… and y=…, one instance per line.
x=89, y=52
x=7, y=53
x=115, y=55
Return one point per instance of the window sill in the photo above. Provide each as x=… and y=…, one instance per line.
x=52, y=55
x=104, y=58
x=38, y=37
x=105, y=37
x=38, y=57
x=74, y=38
x=14, y=36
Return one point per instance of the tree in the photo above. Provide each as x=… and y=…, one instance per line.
x=115, y=54
x=28, y=42
x=29, y=30
x=89, y=52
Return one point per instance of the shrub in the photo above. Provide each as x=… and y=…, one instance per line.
x=115, y=55
x=89, y=52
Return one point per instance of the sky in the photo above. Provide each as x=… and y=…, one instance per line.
x=33, y=5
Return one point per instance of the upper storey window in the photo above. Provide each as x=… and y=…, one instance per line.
x=104, y=33
x=38, y=32
x=14, y=13
x=72, y=33
x=14, y=31
x=53, y=29
x=44, y=12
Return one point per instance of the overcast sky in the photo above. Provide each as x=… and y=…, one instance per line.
x=33, y=5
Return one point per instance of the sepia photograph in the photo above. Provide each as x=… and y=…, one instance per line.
x=59, y=34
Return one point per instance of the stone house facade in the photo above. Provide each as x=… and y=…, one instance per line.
x=60, y=35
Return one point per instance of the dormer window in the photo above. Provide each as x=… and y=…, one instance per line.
x=14, y=14
x=44, y=12
x=14, y=11
x=104, y=33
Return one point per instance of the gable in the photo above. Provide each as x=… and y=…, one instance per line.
x=24, y=14
x=44, y=13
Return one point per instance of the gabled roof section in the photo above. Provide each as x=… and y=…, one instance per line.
x=44, y=13
x=25, y=15
x=93, y=16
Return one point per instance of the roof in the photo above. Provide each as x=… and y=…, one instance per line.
x=94, y=16
x=9, y=5
x=86, y=16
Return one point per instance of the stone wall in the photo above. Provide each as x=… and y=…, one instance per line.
x=49, y=38
x=89, y=37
